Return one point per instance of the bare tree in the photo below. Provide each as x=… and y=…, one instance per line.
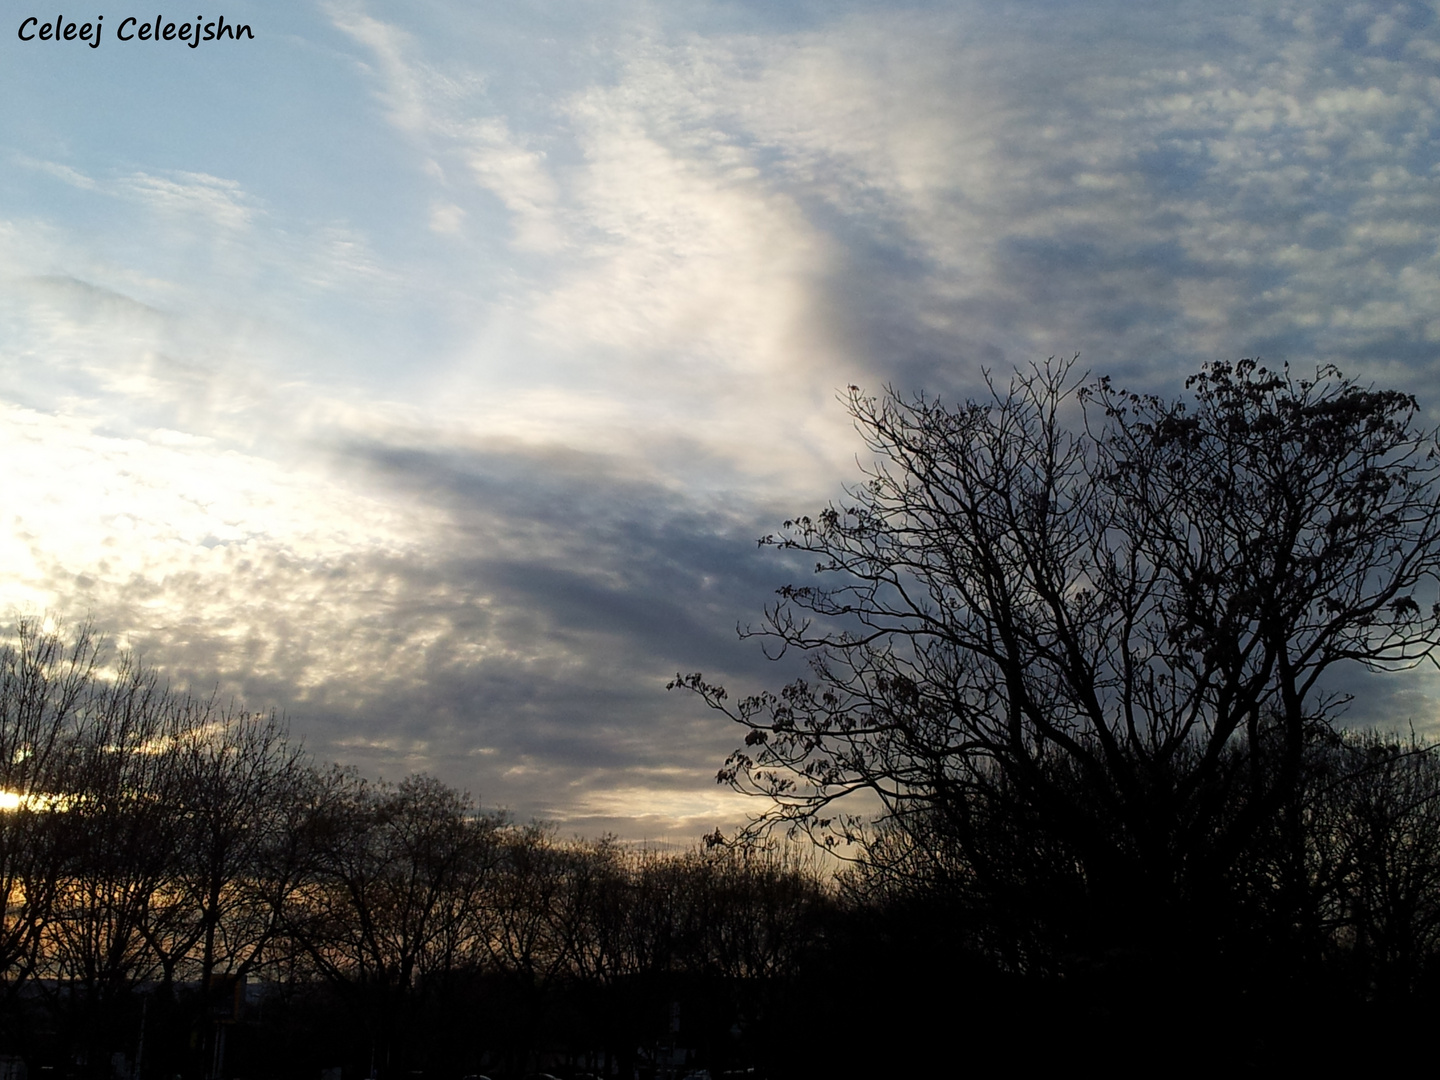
x=394, y=876
x=523, y=921
x=1373, y=835
x=115, y=802
x=45, y=679
x=237, y=776
x=589, y=910
x=1103, y=615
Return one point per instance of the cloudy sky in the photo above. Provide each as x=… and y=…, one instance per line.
x=428, y=370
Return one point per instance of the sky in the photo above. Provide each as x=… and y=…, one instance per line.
x=428, y=370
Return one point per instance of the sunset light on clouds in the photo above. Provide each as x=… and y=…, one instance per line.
x=428, y=371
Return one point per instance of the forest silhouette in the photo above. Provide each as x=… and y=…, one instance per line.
x=1071, y=732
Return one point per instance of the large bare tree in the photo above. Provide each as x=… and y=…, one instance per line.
x=1072, y=639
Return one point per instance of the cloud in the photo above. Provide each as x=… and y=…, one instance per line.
x=460, y=470
x=446, y=218
x=502, y=613
x=63, y=173
x=209, y=201
x=518, y=177
x=402, y=92
x=985, y=197
x=469, y=628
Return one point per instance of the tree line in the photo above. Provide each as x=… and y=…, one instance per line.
x=186, y=892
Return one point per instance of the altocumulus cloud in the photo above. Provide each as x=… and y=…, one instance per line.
x=458, y=463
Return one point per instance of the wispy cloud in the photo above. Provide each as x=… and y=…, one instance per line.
x=207, y=200
x=64, y=173
x=519, y=179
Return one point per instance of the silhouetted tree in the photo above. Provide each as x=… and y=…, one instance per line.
x=1070, y=641
x=46, y=678
x=396, y=876
x=236, y=775
x=1372, y=807
x=154, y=845
x=114, y=801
